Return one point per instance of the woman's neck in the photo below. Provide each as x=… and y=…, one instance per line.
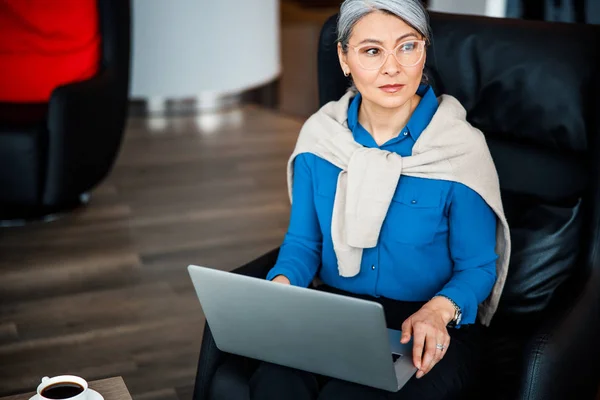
x=385, y=123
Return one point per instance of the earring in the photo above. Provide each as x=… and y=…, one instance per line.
x=346, y=74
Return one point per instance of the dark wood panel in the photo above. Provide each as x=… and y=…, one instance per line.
x=8, y=332
x=104, y=291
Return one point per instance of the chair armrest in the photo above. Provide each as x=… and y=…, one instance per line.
x=85, y=126
x=561, y=359
x=260, y=267
x=210, y=356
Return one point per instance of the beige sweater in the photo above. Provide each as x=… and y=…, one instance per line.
x=448, y=149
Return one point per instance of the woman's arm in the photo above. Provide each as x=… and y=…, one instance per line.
x=472, y=225
x=300, y=254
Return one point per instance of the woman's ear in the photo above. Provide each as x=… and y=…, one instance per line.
x=343, y=58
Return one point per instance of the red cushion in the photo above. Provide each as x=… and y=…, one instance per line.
x=44, y=44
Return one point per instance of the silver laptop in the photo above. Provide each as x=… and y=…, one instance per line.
x=306, y=329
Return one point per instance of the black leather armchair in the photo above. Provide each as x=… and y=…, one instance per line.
x=59, y=151
x=532, y=88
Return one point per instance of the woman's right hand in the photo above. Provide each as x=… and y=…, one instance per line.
x=281, y=279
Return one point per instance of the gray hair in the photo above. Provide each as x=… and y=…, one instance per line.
x=410, y=11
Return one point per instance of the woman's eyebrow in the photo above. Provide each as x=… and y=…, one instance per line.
x=406, y=35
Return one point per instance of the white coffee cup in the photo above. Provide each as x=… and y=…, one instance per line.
x=47, y=382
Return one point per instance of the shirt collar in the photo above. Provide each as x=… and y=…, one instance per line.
x=415, y=126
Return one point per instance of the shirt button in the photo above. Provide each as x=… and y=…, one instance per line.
x=405, y=133
x=413, y=202
x=373, y=267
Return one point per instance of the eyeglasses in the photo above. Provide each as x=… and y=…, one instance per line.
x=408, y=54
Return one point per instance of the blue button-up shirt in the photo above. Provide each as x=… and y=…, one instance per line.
x=438, y=236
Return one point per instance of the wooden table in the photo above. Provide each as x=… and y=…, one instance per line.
x=110, y=389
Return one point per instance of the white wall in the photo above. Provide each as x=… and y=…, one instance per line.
x=491, y=8
x=182, y=48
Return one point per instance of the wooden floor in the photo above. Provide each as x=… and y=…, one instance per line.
x=105, y=291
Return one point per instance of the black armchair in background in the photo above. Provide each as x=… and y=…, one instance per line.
x=60, y=151
x=532, y=88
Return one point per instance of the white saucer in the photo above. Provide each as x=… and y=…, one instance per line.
x=93, y=395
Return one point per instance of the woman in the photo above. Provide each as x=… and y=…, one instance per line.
x=395, y=199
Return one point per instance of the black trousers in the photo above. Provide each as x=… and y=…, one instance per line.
x=449, y=379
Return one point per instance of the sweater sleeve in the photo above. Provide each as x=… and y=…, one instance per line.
x=472, y=225
x=300, y=254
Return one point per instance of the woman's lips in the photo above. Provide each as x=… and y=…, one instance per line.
x=391, y=88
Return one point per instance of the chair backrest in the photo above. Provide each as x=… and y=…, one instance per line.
x=531, y=88
x=115, y=31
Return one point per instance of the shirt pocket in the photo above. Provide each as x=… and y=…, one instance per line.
x=414, y=215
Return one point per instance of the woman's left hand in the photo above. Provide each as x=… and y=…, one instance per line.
x=428, y=326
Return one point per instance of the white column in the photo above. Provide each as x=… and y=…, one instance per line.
x=495, y=8
x=490, y=8
x=203, y=48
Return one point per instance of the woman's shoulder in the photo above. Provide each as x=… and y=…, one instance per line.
x=451, y=117
x=335, y=111
x=450, y=133
x=450, y=108
x=323, y=127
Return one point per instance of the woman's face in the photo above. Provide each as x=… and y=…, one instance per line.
x=391, y=85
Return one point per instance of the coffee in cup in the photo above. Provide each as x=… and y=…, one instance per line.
x=63, y=387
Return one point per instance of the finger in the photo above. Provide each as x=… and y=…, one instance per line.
x=439, y=353
x=406, y=331
x=430, y=350
x=418, y=344
x=446, y=345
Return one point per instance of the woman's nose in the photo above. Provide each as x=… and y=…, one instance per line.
x=391, y=65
